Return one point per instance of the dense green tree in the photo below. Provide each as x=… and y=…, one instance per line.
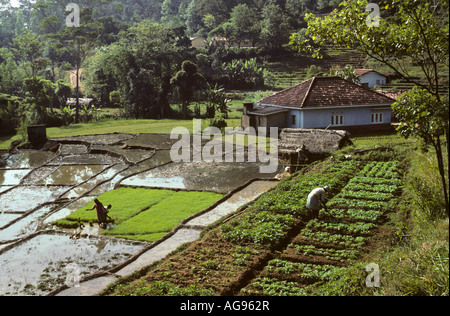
x=11, y=74
x=139, y=66
x=187, y=80
x=425, y=116
x=78, y=43
x=29, y=48
x=245, y=22
x=275, y=28
x=419, y=34
x=39, y=96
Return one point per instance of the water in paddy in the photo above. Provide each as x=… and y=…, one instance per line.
x=38, y=188
x=219, y=177
x=46, y=262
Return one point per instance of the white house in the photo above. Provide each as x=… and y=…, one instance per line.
x=370, y=77
x=198, y=42
x=322, y=102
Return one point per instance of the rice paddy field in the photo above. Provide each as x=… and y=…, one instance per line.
x=143, y=214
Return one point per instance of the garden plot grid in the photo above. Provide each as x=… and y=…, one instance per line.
x=38, y=188
x=324, y=246
x=273, y=247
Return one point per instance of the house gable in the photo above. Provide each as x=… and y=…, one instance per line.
x=321, y=92
x=323, y=102
x=370, y=77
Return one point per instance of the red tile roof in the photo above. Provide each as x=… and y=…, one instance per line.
x=360, y=72
x=324, y=92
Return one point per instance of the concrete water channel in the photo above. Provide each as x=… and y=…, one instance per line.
x=39, y=187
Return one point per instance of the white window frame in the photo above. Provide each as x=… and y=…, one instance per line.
x=377, y=117
x=337, y=118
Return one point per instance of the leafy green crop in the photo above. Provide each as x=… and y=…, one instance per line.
x=263, y=228
x=343, y=227
x=304, y=270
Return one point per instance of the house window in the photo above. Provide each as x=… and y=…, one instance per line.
x=337, y=118
x=293, y=120
x=377, y=117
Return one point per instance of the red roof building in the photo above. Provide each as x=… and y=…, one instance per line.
x=321, y=102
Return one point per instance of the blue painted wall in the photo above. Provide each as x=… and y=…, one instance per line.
x=321, y=118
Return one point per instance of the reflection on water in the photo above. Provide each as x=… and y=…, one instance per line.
x=25, y=226
x=147, y=180
x=219, y=177
x=12, y=177
x=72, y=175
x=26, y=160
x=47, y=256
x=26, y=198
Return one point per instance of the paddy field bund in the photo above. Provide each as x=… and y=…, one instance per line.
x=157, y=206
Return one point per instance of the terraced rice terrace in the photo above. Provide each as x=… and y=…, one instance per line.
x=48, y=239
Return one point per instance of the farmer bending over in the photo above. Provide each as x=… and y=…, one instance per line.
x=102, y=212
x=317, y=200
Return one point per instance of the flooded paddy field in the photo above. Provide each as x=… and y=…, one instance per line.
x=38, y=188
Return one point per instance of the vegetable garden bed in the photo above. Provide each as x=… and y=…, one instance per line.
x=274, y=247
x=326, y=245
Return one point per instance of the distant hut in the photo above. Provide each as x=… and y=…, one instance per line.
x=300, y=146
x=72, y=102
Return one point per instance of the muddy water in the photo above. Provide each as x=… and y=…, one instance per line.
x=27, y=160
x=12, y=177
x=26, y=225
x=218, y=177
x=23, y=199
x=107, y=139
x=38, y=188
x=155, y=141
x=53, y=260
x=72, y=175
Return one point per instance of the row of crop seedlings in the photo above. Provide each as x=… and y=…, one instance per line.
x=222, y=261
x=276, y=212
x=326, y=245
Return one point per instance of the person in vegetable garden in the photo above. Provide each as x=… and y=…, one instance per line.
x=317, y=200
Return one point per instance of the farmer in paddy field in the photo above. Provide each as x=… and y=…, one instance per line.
x=102, y=212
x=317, y=200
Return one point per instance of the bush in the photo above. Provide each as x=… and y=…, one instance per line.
x=219, y=121
x=9, y=114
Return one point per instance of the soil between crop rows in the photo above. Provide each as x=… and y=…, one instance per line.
x=225, y=267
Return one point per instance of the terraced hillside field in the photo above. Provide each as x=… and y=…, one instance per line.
x=274, y=247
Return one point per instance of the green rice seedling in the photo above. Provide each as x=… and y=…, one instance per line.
x=166, y=214
x=126, y=202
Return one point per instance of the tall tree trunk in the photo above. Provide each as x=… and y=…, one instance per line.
x=77, y=106
x=185, y=108
x=438, y=148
